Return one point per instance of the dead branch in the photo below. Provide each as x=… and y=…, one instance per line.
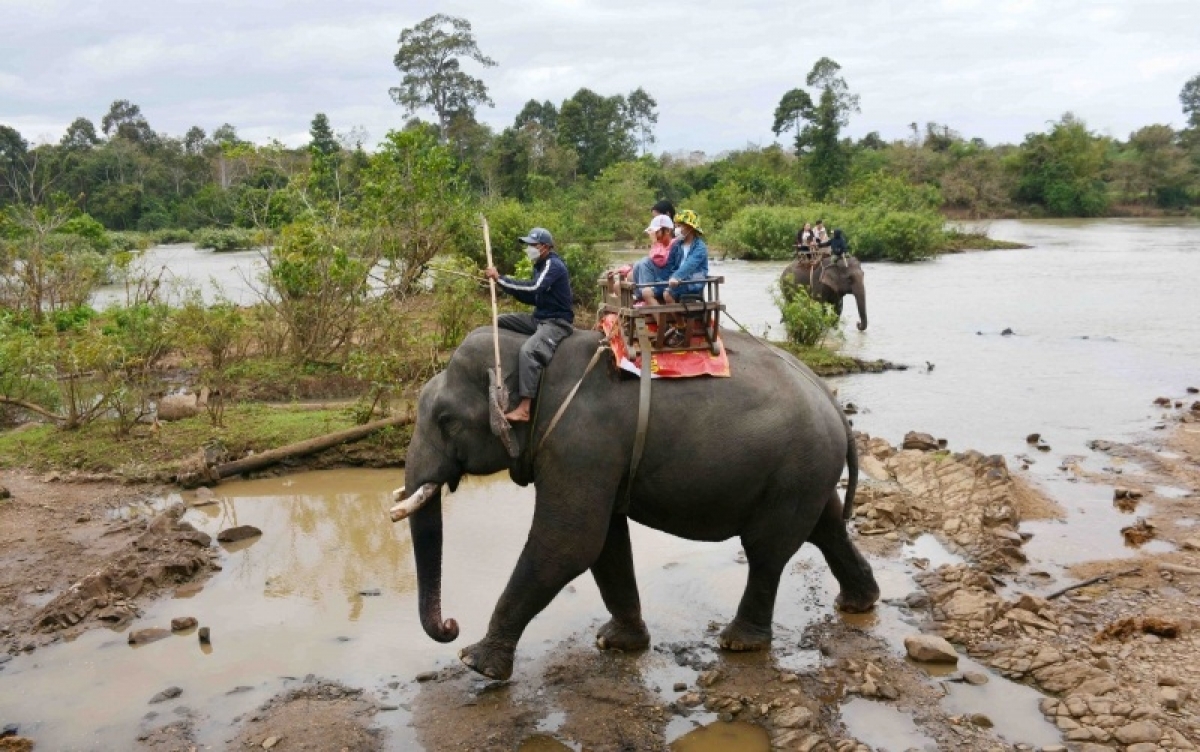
x=1092, y=581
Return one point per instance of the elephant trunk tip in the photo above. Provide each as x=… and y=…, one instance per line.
x=862, y=326
x=442, y=631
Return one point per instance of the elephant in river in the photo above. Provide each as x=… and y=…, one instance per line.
x=829, y=283
x=757, y=456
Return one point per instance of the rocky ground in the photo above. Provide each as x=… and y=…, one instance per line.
x=1114, y=649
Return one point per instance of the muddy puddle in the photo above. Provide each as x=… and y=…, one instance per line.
x=329, y=589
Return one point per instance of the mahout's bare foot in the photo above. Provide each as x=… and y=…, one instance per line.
x=517, y=416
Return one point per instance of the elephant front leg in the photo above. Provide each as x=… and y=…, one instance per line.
x=613, y=572
x=566, y=538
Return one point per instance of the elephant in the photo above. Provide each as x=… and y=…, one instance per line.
x=833, y=282
x=756, y=455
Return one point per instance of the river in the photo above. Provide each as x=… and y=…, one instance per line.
x=1104, y=319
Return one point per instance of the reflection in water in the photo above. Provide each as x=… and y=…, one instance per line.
x=724, y=737
x=883, y=727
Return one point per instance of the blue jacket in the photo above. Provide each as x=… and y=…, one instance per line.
x=549, y=292
x=695, y=266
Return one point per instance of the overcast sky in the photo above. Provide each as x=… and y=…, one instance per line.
x=994, y=69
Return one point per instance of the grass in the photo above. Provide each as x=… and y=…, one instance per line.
x=957, y=242
x=826, y=362
x=148, y=455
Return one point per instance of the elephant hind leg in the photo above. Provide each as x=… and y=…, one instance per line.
x=613, y=572
x=859, y=591
x=768, y=549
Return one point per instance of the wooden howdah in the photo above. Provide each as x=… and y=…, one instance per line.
x=702, y=313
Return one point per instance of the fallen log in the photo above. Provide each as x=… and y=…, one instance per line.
x=302, y=448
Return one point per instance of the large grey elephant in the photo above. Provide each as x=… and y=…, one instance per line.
x=757, y=456
x=830, y=283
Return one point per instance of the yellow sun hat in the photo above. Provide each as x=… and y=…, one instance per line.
x=689, y=218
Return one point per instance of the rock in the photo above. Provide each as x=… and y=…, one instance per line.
x=916, y=600
x=10, y=729
x=680, y=687
x=238, y=533
x=1191, y=544
x=1138, y=732
x=270, y=741
x=146, y=636
x=1162, y=401
x=5, y=493
x=930, y=649
x=205, y=639
x=709, y=678
x=181, y=623
x=922, y=441
x=425, y=676
x=797, y=717
x=1172, y=698
x=975, y=678
x=178, y=407
x=370, y=592
x=981, y=720
x=1143, y=747
x=691, y=699
x=1193, y=390
x=170, y=693
x=1007, y=332
x=1033, y=438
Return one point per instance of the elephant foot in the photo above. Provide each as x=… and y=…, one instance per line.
x=494, y=662
x=858, y=603
x=625, y=636
x=741, y=637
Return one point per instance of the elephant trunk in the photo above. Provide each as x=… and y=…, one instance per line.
x=859, y=290
x=426, y=526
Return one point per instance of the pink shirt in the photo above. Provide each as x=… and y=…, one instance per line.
x=659, y=252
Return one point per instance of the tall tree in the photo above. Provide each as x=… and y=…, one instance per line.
x=597, y=128
x=125, y=120
x=1061, y=170
x=80, y=135
x=544, y=114
x=194, y=141
x=642, y=112
x=323, y=140
x=433, y=77
x=1189, y=97
x=819, y=124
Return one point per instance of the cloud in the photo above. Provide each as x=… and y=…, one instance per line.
x=993, y=70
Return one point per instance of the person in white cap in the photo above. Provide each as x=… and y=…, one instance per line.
x=552, y=320
x=652, y=268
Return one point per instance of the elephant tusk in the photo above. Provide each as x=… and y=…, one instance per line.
x=405, y=507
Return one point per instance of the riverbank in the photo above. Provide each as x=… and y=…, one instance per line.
x=1117, y=660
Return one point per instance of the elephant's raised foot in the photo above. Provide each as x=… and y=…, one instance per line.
x=857, y=604
x=491, y=661
x=744, y=638
x=623, y=636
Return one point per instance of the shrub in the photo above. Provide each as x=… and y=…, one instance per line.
x=805, y=320
x=83, y=226
x=585, y=265
x=460, y=306
x=172, y=235
x=224, y=238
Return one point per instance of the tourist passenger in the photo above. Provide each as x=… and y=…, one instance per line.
x=652, y=268
x=552, y=320
x=804, y=239
x=688, y=264
x=819, y=233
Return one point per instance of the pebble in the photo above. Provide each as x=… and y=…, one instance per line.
x=270, y=741
x=181, y=623
x=170, y=693
x=425, y=676
x=680, y=687
x=238, y=533
x=205, y=639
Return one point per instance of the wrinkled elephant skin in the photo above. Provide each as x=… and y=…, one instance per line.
x=757, y=456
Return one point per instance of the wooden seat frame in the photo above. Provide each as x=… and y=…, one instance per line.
x=702, y=311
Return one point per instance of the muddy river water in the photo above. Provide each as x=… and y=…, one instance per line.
x=1104, y=317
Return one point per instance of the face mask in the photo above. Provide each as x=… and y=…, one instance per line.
x=532, y=252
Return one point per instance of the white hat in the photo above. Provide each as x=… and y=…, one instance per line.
x=660, y=222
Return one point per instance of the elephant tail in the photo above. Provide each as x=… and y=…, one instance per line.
x=852, y=473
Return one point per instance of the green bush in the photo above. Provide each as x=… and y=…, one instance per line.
x=873, y=231
x=83, y=226
x=805, y=320
x=126, y=241
x=585, y=265
x=225, y=238
x=172, y=235
x=460, y=306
